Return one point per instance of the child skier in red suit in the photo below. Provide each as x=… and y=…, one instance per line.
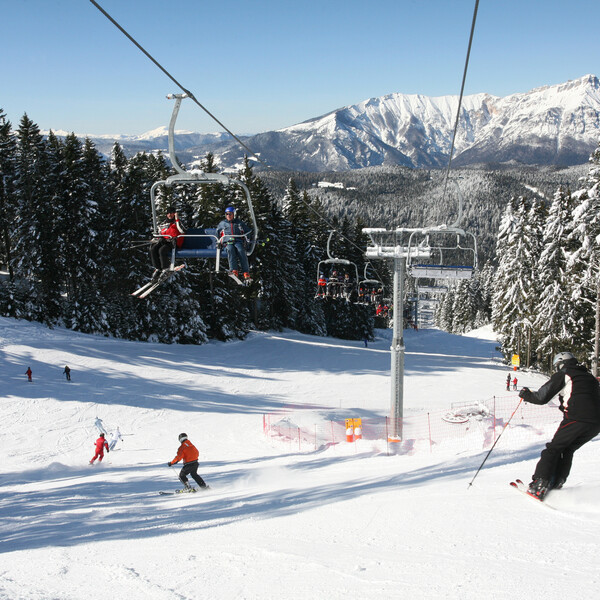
x=101, y=443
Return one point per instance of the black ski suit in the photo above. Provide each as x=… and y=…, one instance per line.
x=579, y=394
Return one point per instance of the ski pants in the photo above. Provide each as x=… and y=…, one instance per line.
x=191, y=469
x=556, y=460
x=160, y=253
x=99, y=455
x=236, y=256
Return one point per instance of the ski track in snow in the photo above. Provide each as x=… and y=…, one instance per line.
x=342, y=521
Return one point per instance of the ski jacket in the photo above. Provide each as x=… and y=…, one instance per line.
x=227, y=229
x=174, y=229
x=101, y=443
x=187, y=451
x=579, y=389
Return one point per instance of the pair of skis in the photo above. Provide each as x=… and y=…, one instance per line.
x=524, y=489
x=149, y=287
x=190, y=490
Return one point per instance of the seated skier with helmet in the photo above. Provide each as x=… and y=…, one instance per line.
x=189, y=454
x=579, y=395
x=233, y=235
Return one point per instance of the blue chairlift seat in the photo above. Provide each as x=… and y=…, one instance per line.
x=198, y=247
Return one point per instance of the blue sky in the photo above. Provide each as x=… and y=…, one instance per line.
x=267, y=64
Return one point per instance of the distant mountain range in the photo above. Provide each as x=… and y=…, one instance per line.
x=551, y=125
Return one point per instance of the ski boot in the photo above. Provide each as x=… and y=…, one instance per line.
x=538, y=488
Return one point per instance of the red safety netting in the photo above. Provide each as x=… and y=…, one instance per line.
x=472, y=426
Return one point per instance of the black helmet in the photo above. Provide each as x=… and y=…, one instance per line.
x=171, y=209
x=182, y=437
x=562, y=359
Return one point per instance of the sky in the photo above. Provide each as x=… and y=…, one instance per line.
x=264, y=65
x=320, y=519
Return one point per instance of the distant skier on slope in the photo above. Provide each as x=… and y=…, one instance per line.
x=29, y=373
x=101, y=444
x=115, y=437
x=189, y=454
x=580, y=403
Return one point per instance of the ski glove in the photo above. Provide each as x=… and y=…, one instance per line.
x=168, y=464
x=525, y=393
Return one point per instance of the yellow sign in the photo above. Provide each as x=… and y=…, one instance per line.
x=516, y=360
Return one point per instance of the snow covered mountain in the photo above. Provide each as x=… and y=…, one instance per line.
x=558, y=124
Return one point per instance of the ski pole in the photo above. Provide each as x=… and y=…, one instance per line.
x=494, y=445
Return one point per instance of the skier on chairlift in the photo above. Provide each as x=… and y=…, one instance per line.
x=161, y=248
x=233, y=235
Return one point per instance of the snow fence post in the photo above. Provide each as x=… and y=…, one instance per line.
x=429, y=427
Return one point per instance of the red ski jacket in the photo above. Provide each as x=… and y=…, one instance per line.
x=187, y=451
x=173, y=230
x=100, y=444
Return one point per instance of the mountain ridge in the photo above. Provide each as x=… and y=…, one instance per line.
x=549, y=125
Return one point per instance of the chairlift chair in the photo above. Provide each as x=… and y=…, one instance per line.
x=349, y=265
x=199, y=242
x=369, y=286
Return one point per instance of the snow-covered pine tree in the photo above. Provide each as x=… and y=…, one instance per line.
x=309, y=318
x=584, y=262
x=8, y=144
x=553, y=323
x=519, y=245
x=35, y=258
x=278, y=270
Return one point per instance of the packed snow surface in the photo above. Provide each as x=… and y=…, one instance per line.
x=348, y=520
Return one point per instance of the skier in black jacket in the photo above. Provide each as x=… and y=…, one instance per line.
x=579, y=395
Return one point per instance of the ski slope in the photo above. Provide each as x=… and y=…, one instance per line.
x=344, y=521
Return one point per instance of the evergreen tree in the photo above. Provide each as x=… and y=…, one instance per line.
x=277, y=265
x=584, y=262
x=8, y=146
x=553, y=323
x=34, y=258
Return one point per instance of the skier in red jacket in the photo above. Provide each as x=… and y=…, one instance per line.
x=189, y=454
x=101, y=443
x=162, y=247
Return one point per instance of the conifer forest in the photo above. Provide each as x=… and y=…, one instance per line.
x=75, y=230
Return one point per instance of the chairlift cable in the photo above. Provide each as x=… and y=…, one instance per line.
x=462, y=88
x=191, y=95
x=186, y=91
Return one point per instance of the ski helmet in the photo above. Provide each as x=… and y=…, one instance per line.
x=230, y=209
x=562, y=359
x=182, y=437
x=101, y=435
x=171, y=209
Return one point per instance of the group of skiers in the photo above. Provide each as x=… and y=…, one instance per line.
x=579, y=397
x=509, y=380
x=232, y=233
x=66, y=373
x=337, y=285
x=187, y=452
